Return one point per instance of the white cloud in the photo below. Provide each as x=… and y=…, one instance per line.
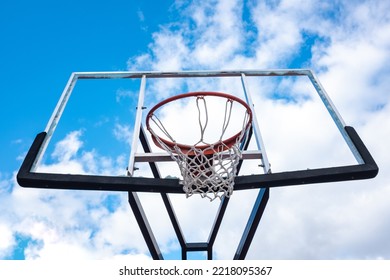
x=122, y=94
x=5, y=184
x=117, y=233
x=64, y=224
x=358, y=53
x=217, y=32
x=69, y=225
x=65, y=149
x=17, y=141
x=69, y=157
x=278, y=33
x=141, y=16
x=211, y=36
x=7, y=240
x=123, y=133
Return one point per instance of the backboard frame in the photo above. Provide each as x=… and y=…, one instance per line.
x=28, y=177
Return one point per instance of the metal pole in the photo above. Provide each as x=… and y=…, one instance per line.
x=137, y=127
x=338, y=120
x=54, y=119
x=256, y=128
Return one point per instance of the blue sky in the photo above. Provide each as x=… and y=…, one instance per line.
x=347, y=43
x=45, y=42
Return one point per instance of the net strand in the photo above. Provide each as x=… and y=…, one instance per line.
x=202, y=128
x=160, y=125
x=226, y=121
x=245, y=137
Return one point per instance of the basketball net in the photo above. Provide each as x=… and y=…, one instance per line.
x=207, y=169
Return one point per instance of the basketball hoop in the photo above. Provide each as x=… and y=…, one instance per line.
x=208, y=167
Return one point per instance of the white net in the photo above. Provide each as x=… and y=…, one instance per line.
x=207, y=169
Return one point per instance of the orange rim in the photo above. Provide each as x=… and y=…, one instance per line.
x=224, y=144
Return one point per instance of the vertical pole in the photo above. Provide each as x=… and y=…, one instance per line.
x=183, y=253
x=255, y=124
x=263, y=195
x=217, y=224
x=253, y=222
x=144, y=226
x=210, y=253
x=137, y=127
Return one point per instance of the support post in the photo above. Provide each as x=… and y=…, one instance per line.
x=143, y=224
x=253, y=222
